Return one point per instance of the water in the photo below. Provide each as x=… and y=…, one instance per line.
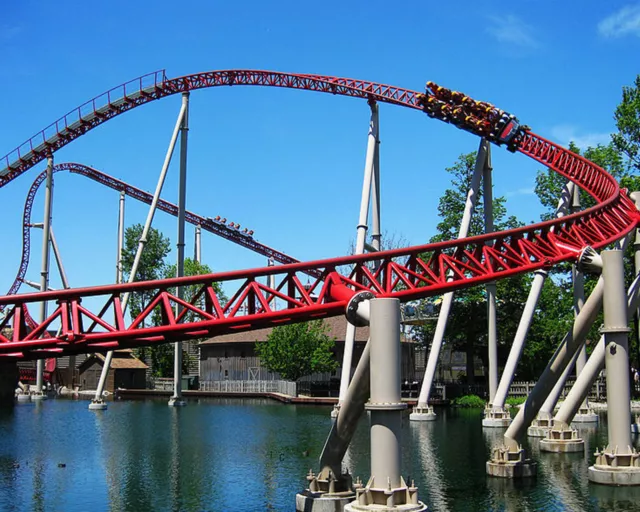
x=225, y=455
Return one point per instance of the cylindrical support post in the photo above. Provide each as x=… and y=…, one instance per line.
x=97, y=403
x=197, y=248
x=562, y=357
x=44, y=269
x=421, y=412
x=595, y=363
x=385, y=404
x=177, y=399
x=519, y=339
x=376, y=233
x=616, y=332
x=492, y=325
x=369, y=177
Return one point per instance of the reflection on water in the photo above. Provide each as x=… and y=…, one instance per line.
x=222, y=455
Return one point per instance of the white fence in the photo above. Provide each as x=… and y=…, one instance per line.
x=249, y=386
x=597, y=392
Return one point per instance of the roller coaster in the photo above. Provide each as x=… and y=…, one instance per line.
x=407, y=273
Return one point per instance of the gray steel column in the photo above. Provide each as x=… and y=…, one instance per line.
x=176, y=399
x=447, y=300
x=563, y=355
x=492, y=323
x=577, y=278
x=376, y=233
x=197, y=249
x=97, y=403
x=369, y=172
x=595, y=363
x=519, y=339
x=527, y=315
x=385, y=404
x=44, y=269
x=616, y=332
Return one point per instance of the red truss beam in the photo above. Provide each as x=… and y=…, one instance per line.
x=407, y=274
x=206, y=223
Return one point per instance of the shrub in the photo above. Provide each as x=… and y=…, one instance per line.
x=513, y=401
x=469, y=401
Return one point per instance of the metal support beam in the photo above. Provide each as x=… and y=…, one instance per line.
x=44, y=269
x=369, y=178
x=197, y=248
x=97, y=403
x=176, y=399
x=492, y=322
x=385, y=485
x=618, y=463
x=595, y=363
x=422, y=412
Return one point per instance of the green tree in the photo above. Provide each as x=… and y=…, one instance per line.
x=297, y=350
x=467, y=325
x=162, y=356
x=627, y=116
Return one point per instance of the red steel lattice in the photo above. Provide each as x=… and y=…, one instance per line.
x=403, y=273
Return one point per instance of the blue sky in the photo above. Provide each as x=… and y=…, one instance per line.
x=289, y=164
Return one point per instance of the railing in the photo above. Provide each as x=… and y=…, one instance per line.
x=130, y=89
x=597, y=392
x=249, y=386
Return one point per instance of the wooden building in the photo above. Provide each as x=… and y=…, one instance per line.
x=233, y=357
x=127, y=371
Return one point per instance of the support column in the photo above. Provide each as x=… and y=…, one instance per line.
x=385, y=489
x=618, y=463
x=422, y=411
x=635, y=196
x=585, y=414
x=9, y=376
x=197, y=247
x=496, y=415
x=97, y=403
x=176, y=399
x=492, y=337
x=369, y=177
x=44, y=272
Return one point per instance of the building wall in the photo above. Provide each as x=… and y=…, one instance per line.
x=90, y=376
x=130, y=378
x=238, y=361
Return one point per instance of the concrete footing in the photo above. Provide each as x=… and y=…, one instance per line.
x=372, y=498
x=612, y=468
x=540, y=426
x=422, y=414
x=585, y=415
x=562, y=439
x=98, y=405
x=496, y=418
x=23, y=397
x=175, y=401
x=38, y=395
x=335, y=411
x=313, y=502
x=511, y=464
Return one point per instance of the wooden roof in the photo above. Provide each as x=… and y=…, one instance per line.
x=122, y=360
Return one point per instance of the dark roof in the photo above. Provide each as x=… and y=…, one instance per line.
x=337, y=329
x=122, y=359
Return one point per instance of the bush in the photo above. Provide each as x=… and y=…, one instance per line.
x=469, y=401
x=513, y=401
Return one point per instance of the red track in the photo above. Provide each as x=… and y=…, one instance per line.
x=403, y=273
x=206, y=223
